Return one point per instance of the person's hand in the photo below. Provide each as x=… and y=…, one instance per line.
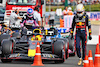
x=90, y=37
x=71, y=37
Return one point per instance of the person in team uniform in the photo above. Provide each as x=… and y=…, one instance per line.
x=37, y=16
x=65, y=12
x=51, y=18
x=70, y=11
x=13, y=21
x=81, y=21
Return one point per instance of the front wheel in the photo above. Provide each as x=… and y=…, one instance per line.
x=63, y=57
x=59, y=50
x=66, y=43
x=7, y=48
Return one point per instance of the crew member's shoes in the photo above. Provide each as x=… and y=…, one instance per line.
x=80, y=61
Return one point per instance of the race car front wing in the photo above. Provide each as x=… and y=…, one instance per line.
x=25, y=56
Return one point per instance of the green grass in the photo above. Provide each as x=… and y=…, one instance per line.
x=95, y=7
x=54, y=8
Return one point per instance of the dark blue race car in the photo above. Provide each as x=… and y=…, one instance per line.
x=55, y=33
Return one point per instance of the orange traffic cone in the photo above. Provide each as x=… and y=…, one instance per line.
x=97, y=57
x=86, y=62
x=90, y=59
x=37, y=58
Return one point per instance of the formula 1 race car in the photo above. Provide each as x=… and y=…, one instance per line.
x=57, y=35
x=18, y=47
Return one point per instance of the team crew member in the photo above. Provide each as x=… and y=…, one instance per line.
x=14, y=19
x=65, y=12
x=37, y=16
x=81, y=20
x=70, y=11
x=51, y=18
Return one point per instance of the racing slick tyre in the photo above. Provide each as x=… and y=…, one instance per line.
x=71, y=47
x=7, y=49
x=59, y=50
x=4, y=36
x=66, y=46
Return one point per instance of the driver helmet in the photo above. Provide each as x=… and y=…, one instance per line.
x=30, y=13
x=80, y=10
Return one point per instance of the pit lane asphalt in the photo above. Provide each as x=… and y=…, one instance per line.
x=70, y=62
